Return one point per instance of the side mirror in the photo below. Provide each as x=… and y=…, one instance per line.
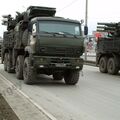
x=85, y=30
x=81, y=21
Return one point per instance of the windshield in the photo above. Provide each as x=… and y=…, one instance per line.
x=59, y=27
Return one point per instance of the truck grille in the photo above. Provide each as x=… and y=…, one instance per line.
x=58, y=51
x=60, y=60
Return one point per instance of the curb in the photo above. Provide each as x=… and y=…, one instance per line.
x=24, y=107
x=91, y=63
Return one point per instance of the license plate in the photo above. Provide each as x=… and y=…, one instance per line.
x=60, y=65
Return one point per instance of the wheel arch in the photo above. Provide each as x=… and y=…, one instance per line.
x=108, y=55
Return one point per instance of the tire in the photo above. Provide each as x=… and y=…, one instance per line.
x=29, y=74
x=71, y=77
x=103, y=64
x=111, y=66
x=5, y=61
x=57, y=76
x=9, y=63
x=19, y=67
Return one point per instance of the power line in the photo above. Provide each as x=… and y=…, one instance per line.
x=71, y=3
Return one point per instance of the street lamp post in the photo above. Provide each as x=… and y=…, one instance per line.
x=86, y=13
x=86, y=27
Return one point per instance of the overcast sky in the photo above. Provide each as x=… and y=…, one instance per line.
x=98, y=10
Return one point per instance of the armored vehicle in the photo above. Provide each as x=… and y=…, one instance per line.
x=37, y=42
x=108, y=48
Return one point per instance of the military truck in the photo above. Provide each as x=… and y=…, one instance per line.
x=108, y=48
x=38, y=42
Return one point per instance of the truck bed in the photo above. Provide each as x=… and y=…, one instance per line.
x=108, y=45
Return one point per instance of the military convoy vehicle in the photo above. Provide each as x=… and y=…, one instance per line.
x=108, y=48
x=38, y=42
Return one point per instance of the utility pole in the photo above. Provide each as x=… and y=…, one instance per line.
x=86, y=13
x=86, y=27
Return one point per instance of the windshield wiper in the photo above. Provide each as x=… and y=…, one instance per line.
x=59, y=33
x=46, y=32
x=67, y=33
x=54, y=33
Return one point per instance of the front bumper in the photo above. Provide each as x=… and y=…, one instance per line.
x=57, y=62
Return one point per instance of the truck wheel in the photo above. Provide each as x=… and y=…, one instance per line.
x=29, y=74
x=57, y=76
x=111, y=66
x=19, y=67
x=103, y=64
x=5, y=61
x=71, y=77
x=9, y=63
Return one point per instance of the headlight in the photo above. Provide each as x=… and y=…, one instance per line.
x=42, y=49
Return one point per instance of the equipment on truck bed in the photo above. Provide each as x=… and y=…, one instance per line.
x=113, y=28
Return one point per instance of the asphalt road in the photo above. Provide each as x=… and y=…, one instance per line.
x=95, y=97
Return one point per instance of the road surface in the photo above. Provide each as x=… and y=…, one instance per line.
x=95, y=97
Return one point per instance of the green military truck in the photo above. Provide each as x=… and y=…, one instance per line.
x=38, y=42
x=108, y=48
